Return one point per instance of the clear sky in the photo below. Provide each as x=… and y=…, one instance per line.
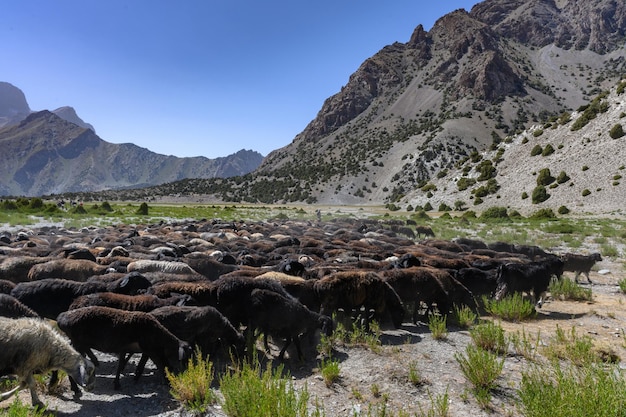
x=198, y=77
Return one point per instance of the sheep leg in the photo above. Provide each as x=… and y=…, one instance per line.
x=576, y=277
x=121, y=363
x=54, y=381
x=30, y=381
x=140, y=366
x=588, y=279
x=281, y=355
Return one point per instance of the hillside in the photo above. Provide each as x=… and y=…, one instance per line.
x=411, y=115
x=45, y=154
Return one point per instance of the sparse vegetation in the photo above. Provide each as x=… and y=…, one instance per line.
x=511, y=308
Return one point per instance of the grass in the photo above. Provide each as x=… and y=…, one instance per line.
x=579, y=350
x=622, y=285
x=579, y=391
x=489, y=336
x=524, y=345
x=567, y=289
x=250, y=391
x=192, y=387
x=357, y=336
x=330, y=371
x=464, y=316
x=439, y=406
x=481, y=368
x=19, y=409
x=437, y=326
x=514, y=308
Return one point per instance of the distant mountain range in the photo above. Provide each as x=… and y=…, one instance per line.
x=56, y=152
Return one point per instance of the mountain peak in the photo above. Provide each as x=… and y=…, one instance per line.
x=13, y=104
x=68, y=113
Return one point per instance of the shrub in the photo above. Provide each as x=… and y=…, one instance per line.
x=586, y=192
x=616, y=131
x=563, y=210
x=330, y=371
x=536, y=150
x=544, y=177
x=251, y=392
x=437, y=326
x=539, y=194
x=511, y=308
x=622, y=285
x=548, y=150
x=589, y=390
x=481, y=368
x=495, y=213
x=143, y=209
x=543, y=214
x=464, y=316
x=562, y=177
x=566, y=289
x=538, y=133
x=193, y=386
x=489, y=336
x=464, y=183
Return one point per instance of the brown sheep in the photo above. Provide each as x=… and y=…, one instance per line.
x=351, y=290
x=71, y=269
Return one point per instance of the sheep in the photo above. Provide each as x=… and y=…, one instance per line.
x=15, y=268
x=424, y=230
x=199, y=326
x=578, y=264
x=203, y=293
x=120, y=332
x=6, y=286
x=146, y=265
x=532, y=277
x=13, y=308
x=301, y=289
x=141, y=302
x=30, y=346
x=50, y=297
x=274, y=314
x=350, y=290
x=72, y=269
x=431, y=286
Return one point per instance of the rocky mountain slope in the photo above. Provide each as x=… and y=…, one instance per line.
x=57, y=152
x=45, y=154
x=416, y=110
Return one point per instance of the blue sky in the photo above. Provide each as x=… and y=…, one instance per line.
x=198, y=77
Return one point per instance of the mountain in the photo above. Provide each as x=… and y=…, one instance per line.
x=45, y=154
x=416, y=111
x=68, y=113
x=13, y=104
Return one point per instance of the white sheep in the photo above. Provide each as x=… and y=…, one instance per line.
x=31, y=345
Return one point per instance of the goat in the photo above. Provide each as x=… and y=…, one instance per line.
x=120, y=332
x=578, y=264
x=30, y=346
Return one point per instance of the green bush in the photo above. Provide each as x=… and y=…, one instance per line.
x=192, y=387
x=511, y=308
x=544, y=177
x=489, y=336
x=548, y=150
x=567, y=289
x=536, y=150
x=464, y=183
x=539, y=194
x=538, y=133
x=495, y=213
x=562, y=178
x=437, y=326
x=481, y=368
x=563, y=210
x=586, y=192
x=543, y=214
x=143, y=209
x=616, y=131
x=250, y=391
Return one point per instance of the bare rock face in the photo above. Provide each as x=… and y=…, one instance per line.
x=13, y=104
x=597, y=25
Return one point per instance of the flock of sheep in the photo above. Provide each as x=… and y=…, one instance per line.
x=168, y=291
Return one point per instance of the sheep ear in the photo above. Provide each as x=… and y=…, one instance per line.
x=181, y=353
